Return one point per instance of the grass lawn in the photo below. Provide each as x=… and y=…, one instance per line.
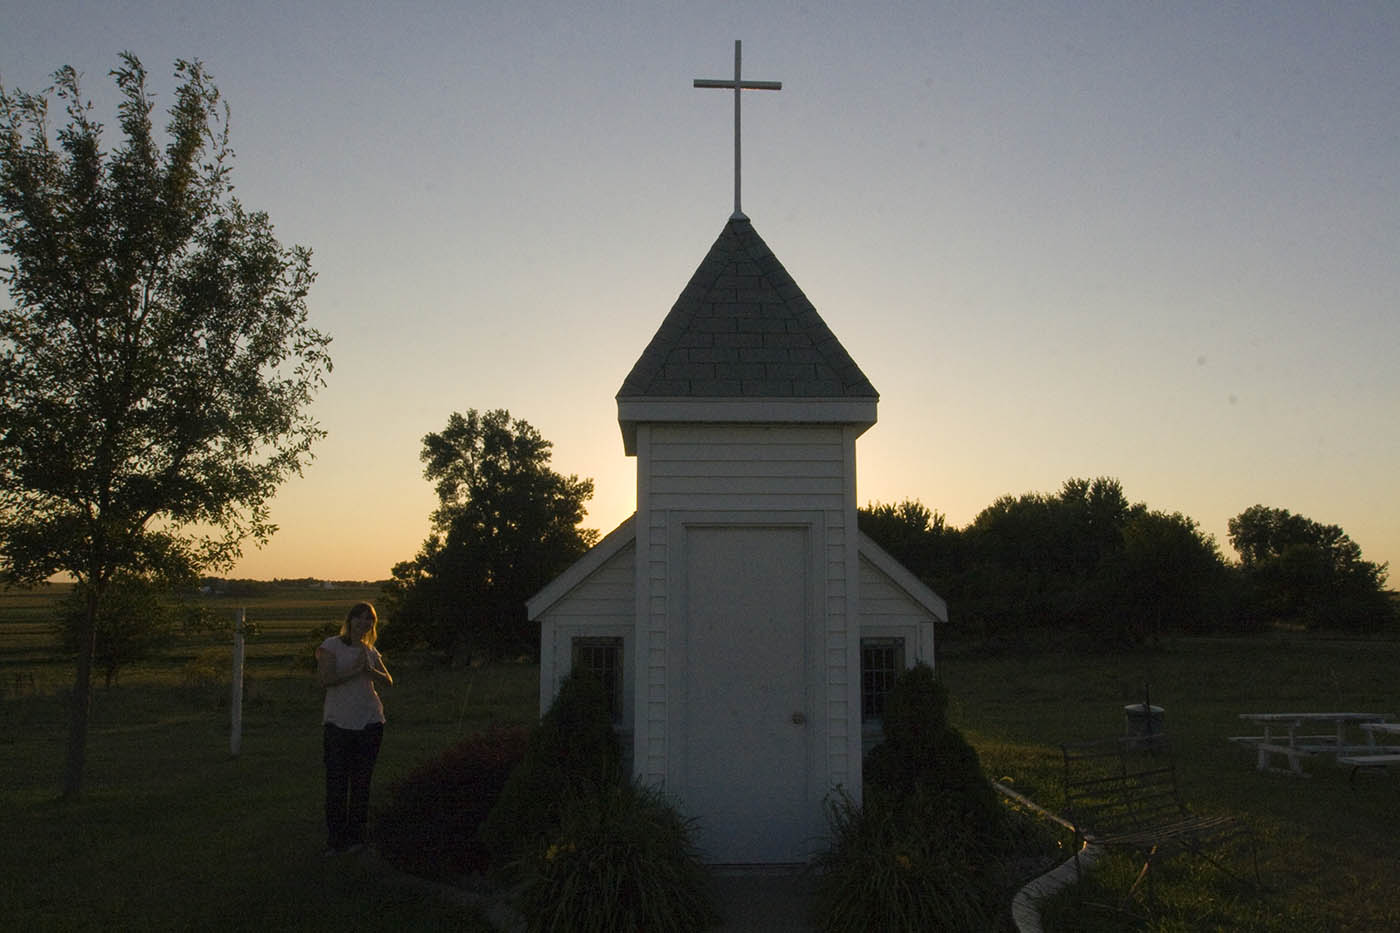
x=174, y=833
x=1329, y=853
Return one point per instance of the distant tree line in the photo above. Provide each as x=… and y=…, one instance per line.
x=220, y=586
x=1083, y=561
x=1087, y=562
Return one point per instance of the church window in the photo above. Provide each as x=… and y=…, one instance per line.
x=881, y=661
x=602, y=658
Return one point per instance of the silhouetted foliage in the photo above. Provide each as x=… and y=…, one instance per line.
x=135, y=620
x=921, y=751
x=1045, y=552
x=1168, y=577
x=907, y=867
x=505, y=525
x=1299, y=570
x=918, y=538
x=155, y=354
x=573, y=750
x=1085, y=562
x=622, y=859
x=921, y=850
x=583, y=847
x=430, y=825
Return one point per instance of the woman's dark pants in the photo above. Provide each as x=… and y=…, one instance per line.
x=349, y=755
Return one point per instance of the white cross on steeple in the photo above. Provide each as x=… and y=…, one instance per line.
x=738, y=85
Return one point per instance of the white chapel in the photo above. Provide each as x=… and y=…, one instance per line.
x=746, y=630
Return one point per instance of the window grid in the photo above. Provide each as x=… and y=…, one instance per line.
x=602, y=658
x=881, y=661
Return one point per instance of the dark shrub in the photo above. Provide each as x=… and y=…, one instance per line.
x=431, y=823
x=903, y=866
x=923, y=850
x=573, y=750
x=622, y=860
x=921, y=751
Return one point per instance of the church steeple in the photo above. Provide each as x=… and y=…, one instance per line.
x=743, y=339
x=743, y=328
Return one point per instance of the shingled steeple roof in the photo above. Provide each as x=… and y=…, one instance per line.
x=742, y=344
x=742, y=328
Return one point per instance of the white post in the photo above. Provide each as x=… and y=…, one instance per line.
x=235, y=738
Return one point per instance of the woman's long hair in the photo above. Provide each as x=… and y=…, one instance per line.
x=359, y=610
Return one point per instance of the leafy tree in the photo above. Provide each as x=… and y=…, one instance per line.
x=1089, y=561
x=1168, y=575
x=1036, y=559
x=1019, y=532
x=133, y=623
x=156, y=360
x=505, y=525
x=137, y=619
x=1300, y=569
x=917, y=537
x=1092, y=517
x=1065, y=534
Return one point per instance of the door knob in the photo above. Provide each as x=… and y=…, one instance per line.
x=798, y=718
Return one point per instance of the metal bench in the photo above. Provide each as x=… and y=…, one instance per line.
x=1358, y=762
x=1119, y=799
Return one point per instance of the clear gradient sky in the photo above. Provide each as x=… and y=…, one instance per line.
x=1153, y=241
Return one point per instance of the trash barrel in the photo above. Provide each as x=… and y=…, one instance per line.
x=1145, y=726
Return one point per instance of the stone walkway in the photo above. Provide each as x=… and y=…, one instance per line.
x=759, y=900
x=755, y=900
x=750, y=900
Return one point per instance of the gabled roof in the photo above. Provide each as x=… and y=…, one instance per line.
x=742, y=328
x=900, y=576
x=595, y=557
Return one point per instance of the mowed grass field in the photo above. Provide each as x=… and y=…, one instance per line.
x=1328, y=849
x=175, y=833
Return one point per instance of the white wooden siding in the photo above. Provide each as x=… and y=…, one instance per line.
x=602, y=605
x=605, y=595
x=887, y=611
x=734, y=469
x=706, y=466
x=652, y=766
x=882, y=602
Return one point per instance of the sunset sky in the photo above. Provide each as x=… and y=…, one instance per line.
x=1153, y=241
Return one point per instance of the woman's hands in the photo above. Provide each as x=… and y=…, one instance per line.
x=374, y=666
x=367, y=662
x=327, y=674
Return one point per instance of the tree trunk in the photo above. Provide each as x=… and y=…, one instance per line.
x=82, y=703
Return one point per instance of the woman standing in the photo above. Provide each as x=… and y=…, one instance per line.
x=349, y=667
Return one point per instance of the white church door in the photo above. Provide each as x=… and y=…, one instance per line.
x=749, y=709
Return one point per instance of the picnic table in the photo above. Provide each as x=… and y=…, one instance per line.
x=1373, y=755
x=1282, y=736
x=1385, y=728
